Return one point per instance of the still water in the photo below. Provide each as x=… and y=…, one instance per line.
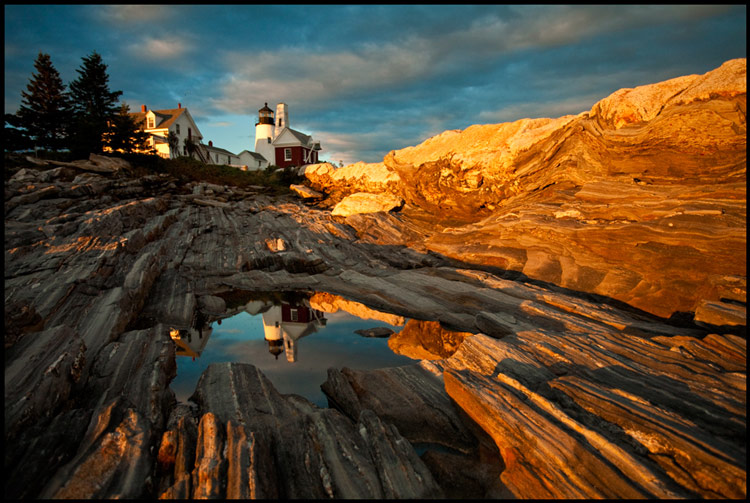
x=291, y=343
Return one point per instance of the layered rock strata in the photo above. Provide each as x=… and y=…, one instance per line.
x=560, y=391
x=621, y=200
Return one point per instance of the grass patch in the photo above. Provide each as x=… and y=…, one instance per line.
x=184, y=169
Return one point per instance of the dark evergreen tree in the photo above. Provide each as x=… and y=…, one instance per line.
x=125, y=135
x=44, y=112
x=15, y=135
x=94, y=106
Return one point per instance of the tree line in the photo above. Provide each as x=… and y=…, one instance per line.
x=82, y=119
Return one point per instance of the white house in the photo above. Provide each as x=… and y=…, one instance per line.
x=216, y=155
x=253, y=160
x=159, y=123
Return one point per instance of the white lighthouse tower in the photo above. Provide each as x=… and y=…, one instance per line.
x=264, y=134
x=273, y=331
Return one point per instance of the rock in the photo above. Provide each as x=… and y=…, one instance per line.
x=40, y=375
x=118, y=463
x=388, y=450
x=358, y=177
x=312, y=451
x=560, y=225
x=375, y=332
x=410, y=397
x=721, y=313
x=113, y=164
x=329, y=303
x=306, y=192
x=365, y=202
x=644, y=103
x=605, y=413
x=212, y=305
x=426, y=340
x=211, y=202
x=465, y=477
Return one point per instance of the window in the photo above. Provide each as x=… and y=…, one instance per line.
x=287, y=154
x=177, y=128
x=228, y=161
x=294, y=314
x=150, y=122
x=190, y=133
x=269, y=140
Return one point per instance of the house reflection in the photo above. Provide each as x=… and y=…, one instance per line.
x=286, y=323
x=190, y=342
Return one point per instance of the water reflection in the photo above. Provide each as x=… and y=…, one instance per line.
x=284, y=324
x=258, y=329
x=190, y=342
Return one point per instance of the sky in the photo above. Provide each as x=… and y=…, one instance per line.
x=367, y=79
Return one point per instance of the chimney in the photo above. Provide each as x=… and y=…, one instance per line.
x=210, y=143
x=179, y=105
x=143, y=109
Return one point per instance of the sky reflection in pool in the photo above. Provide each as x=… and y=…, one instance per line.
x=332, y=343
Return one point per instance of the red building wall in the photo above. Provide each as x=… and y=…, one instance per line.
x=297, y=157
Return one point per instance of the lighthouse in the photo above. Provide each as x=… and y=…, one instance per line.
x=264, y=134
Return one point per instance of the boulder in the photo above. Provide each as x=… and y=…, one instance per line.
x=365, y=202
x=306, y=192
x=426, y=340
x=375, y=332
x=358, y=177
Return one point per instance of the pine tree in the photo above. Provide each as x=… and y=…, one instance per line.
x=44, y=112
x=94, y=106
x=15, y=135
x=124, y=133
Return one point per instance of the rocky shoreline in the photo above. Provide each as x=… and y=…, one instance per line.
x=558, y=386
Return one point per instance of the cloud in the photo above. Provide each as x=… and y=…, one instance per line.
x=317, y=77
x=134, y=13
x=160, y=48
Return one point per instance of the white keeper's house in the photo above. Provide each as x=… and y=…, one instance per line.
x=159, y=123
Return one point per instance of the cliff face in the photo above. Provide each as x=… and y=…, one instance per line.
x=641, y=199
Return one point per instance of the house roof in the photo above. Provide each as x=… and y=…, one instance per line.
x=164, y=118
x=256, y=155
x=217, y=149
x=300, y=137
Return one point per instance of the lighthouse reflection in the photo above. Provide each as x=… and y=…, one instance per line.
x=285, y=324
